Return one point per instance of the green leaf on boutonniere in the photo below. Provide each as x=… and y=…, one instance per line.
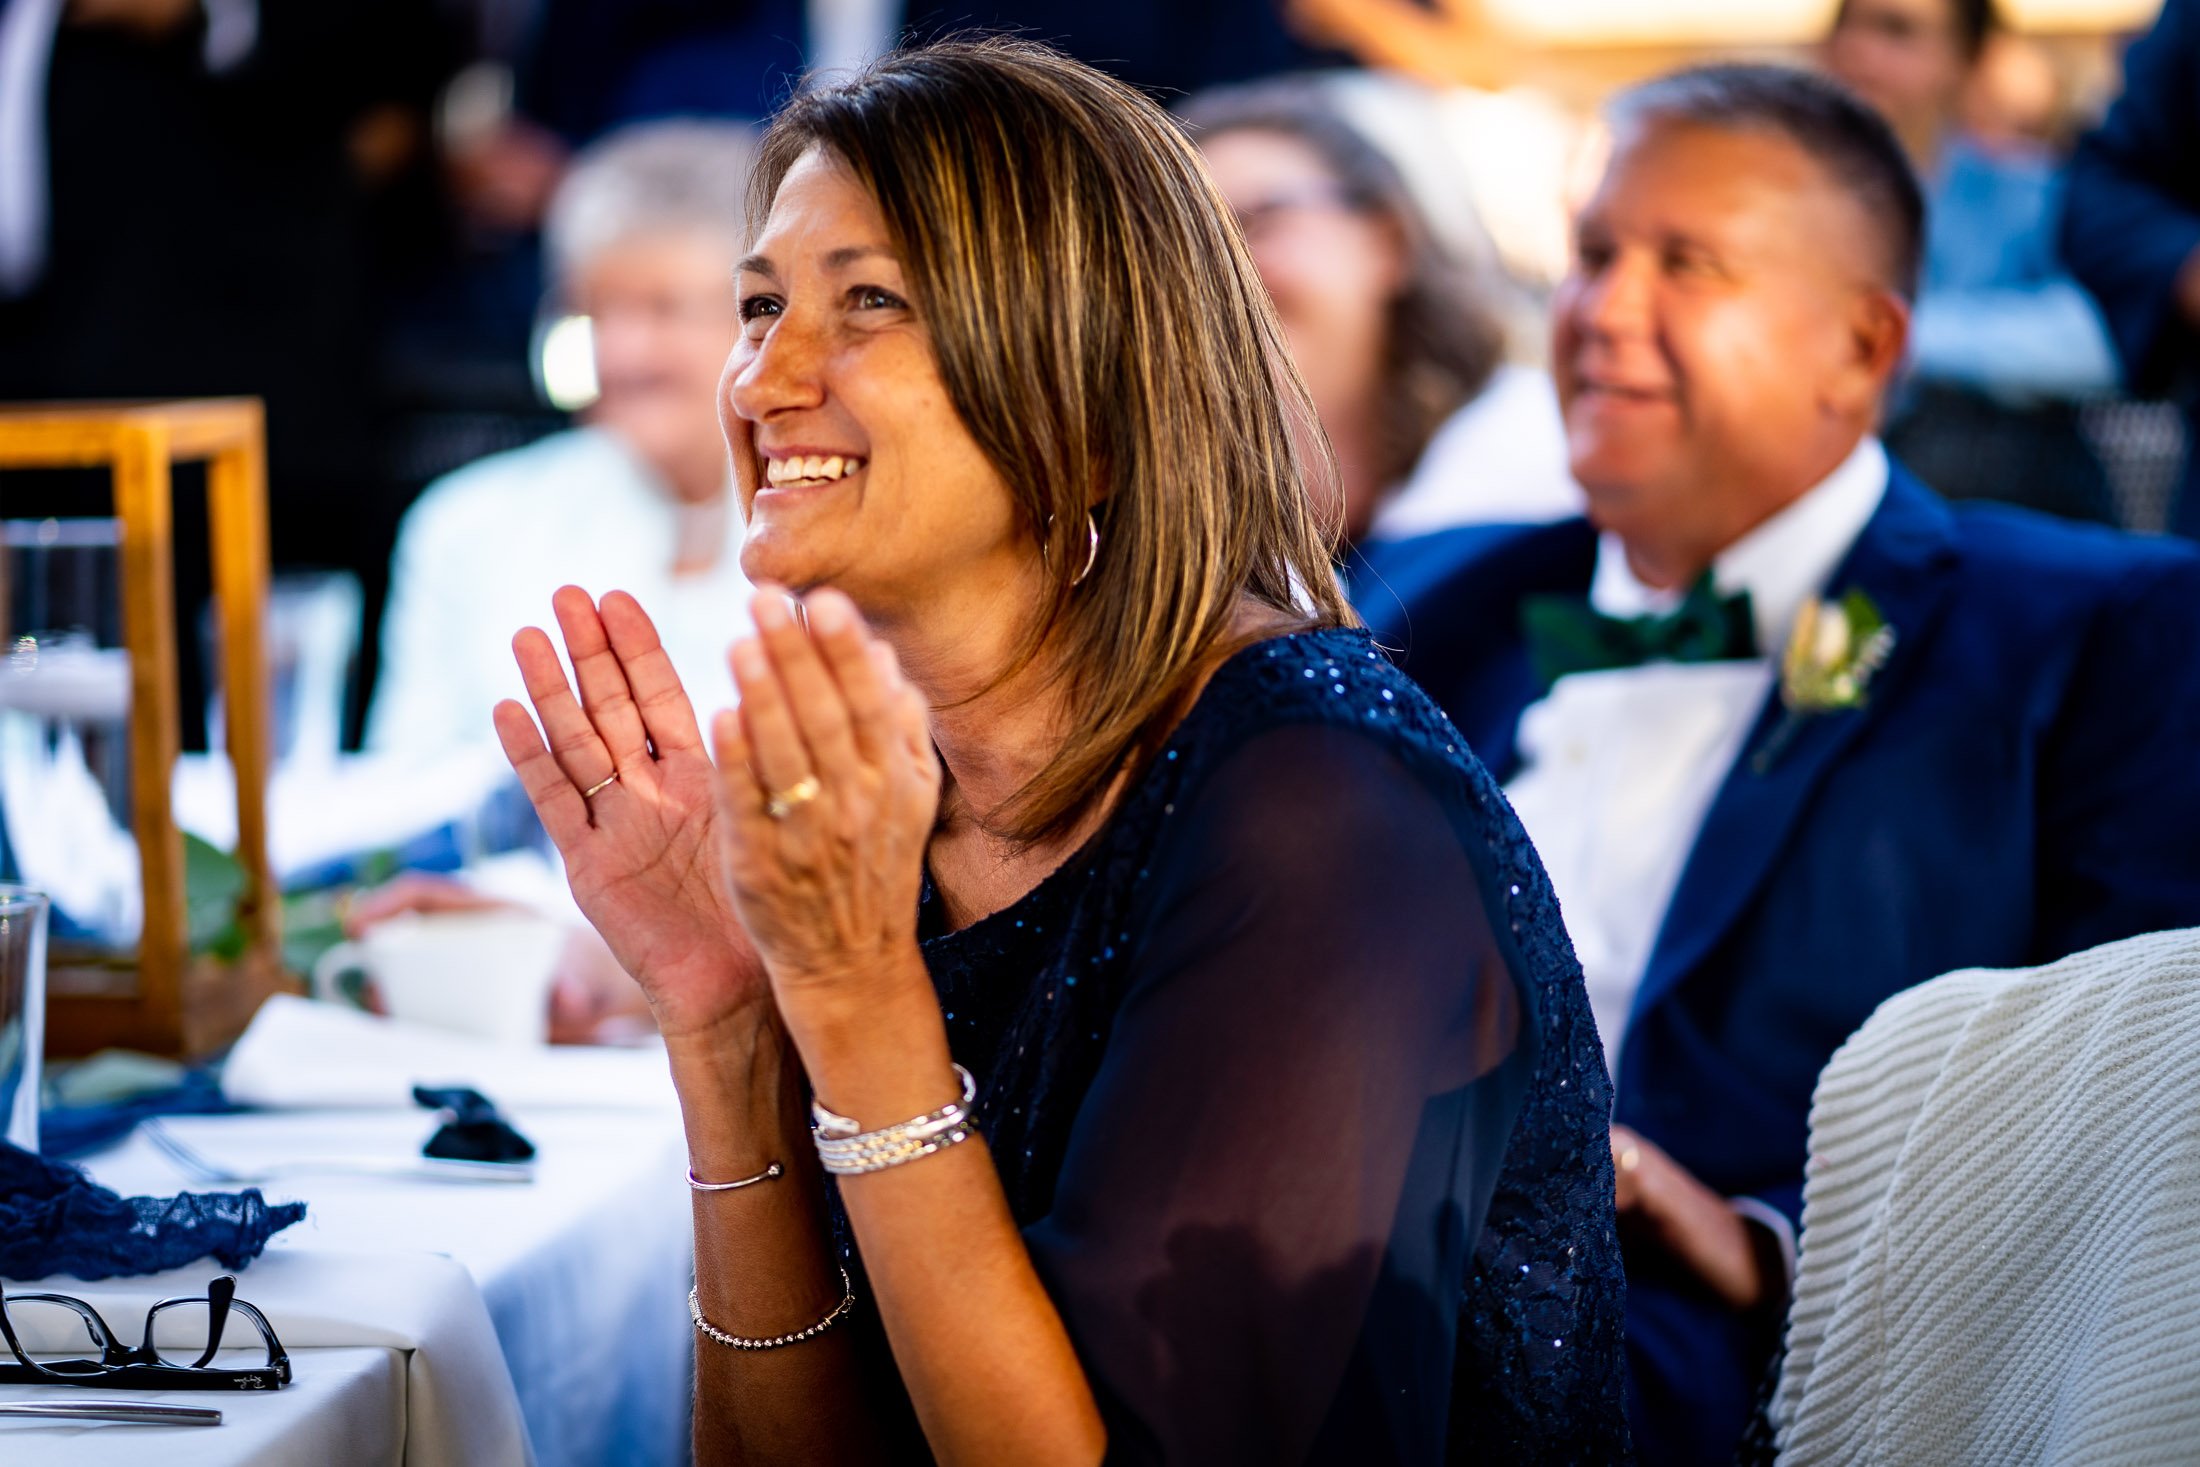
x=1836, y=650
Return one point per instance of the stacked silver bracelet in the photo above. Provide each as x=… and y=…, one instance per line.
x=847, y=1149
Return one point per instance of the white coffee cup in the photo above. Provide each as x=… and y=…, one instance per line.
x=487, y=974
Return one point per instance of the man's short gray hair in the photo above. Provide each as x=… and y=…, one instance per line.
x=651, y=178
x=1851, y=142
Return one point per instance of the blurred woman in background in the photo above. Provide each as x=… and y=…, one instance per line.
x=636, y=497
x=1399, y=343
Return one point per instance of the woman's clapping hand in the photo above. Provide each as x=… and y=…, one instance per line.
x=830, y=790
x=641, y=852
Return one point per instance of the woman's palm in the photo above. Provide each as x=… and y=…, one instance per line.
x=641, y=852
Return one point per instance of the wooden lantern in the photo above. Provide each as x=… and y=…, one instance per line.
x=172, y=1002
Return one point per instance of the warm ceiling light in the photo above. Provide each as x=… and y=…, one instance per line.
x=1762, y=22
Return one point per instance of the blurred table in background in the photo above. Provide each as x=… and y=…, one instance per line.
x=517, y=1322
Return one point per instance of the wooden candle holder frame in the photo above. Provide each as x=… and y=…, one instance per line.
x=174, y=1003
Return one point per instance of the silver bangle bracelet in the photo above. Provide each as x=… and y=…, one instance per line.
x=848, y=1150
x=767, y=1174
x=840, y=1128
x=891, y=1156
x=742, y=1342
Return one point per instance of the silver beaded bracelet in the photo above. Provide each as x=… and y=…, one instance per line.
x=742, y=1342
x=848, y=1150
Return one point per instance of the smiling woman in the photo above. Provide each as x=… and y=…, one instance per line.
x=1256, y=1110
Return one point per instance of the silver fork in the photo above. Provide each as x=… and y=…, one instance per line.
x=426, y=1168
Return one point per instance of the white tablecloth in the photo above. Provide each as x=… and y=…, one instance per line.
x=342, y=1406
x=544, y=1322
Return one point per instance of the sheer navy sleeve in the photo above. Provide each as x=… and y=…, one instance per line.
x=1271, y=1192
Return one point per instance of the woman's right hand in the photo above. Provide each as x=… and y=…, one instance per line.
x=641, y=854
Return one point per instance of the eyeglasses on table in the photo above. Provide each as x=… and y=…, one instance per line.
x=181, y=1337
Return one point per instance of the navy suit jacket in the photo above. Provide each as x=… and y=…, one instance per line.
x=2023, y=783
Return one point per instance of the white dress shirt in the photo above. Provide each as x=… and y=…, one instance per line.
x=479, y=555
x=1619, y=767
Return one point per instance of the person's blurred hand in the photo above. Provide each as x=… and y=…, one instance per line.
x=146, y=17
x=415, y=891
x=1663, y=1204
x=592, y=1000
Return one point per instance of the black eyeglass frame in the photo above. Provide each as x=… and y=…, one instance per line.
x=143, y=1367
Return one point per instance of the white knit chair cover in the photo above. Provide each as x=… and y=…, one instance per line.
x=2001, y=1223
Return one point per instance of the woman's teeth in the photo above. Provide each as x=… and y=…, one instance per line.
x=811, y=470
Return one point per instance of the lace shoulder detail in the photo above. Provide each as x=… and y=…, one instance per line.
x=1538, y=1374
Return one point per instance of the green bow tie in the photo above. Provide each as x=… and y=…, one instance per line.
x=1566, y=635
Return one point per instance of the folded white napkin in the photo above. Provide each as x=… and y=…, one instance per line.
x=460, y=1406
x=300, y=1054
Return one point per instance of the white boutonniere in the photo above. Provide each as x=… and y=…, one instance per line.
x=1837, y=648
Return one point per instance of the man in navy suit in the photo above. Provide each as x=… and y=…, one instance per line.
x=1790, y=733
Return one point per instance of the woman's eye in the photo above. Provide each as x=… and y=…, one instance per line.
x=872, y=298
x=755, y=306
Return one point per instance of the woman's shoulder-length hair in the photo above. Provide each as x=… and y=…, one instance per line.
x=1105, y=339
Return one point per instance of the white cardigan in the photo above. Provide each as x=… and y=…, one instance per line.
x=2001, y=1222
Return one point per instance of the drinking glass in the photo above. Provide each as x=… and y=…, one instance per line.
x=22, y=1011
x=65, y=729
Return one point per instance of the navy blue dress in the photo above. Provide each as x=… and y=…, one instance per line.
x=1292, y=1086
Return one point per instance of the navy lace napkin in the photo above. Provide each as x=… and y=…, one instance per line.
x=55, y=1219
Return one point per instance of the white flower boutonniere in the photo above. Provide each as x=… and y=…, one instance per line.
x=1836, y=650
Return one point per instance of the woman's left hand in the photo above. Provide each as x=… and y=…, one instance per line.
x=830, y=788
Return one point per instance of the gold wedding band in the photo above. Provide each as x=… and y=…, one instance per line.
x=1630, y=1158
x=779, y=806
x=600, y=785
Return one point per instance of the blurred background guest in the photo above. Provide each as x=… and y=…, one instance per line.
x=1399, y=341
x=1789, y=733
x=642, y=237
x=550, y=77
x=2133, y=231
x=2003, y=339
x=1996, y=309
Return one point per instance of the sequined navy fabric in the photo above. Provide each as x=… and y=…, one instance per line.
x=1054, y=1001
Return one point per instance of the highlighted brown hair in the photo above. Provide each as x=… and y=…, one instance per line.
x=1105, y=339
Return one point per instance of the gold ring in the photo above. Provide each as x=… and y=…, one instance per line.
x=600, y=785
x=779, y=806
x=1629, y=1158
